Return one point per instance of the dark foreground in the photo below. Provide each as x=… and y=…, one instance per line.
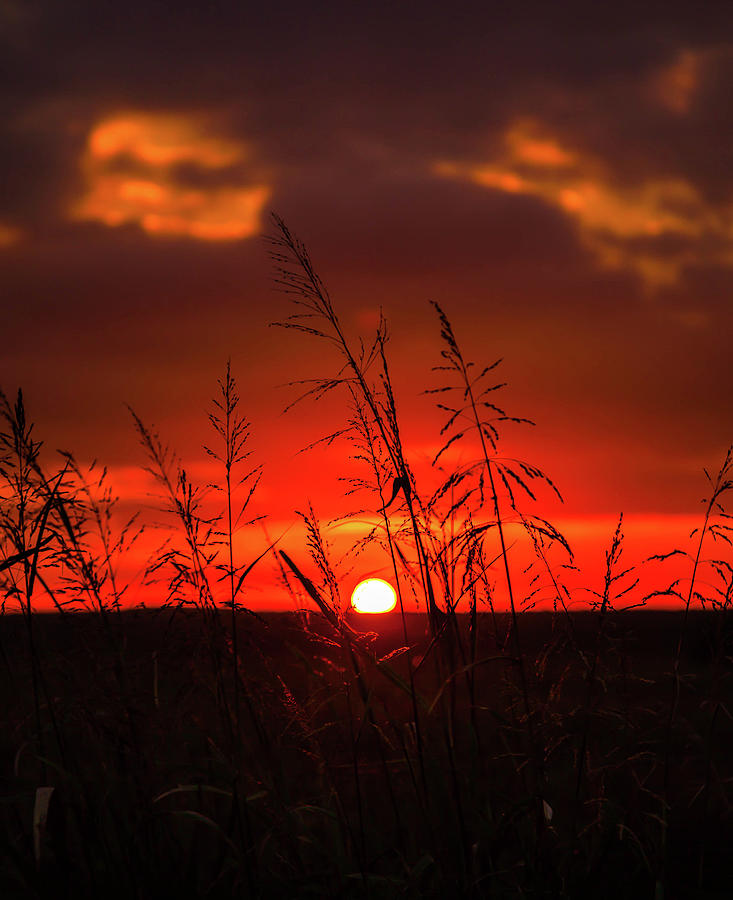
x=580, y=762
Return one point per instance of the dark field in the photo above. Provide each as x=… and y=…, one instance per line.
x=311, y=778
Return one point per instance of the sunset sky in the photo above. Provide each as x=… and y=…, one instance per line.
x=558, y=178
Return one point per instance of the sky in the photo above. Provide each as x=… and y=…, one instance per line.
x=556, y=176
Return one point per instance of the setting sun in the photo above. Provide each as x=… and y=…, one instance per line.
x=373, y=596
x=388, y=352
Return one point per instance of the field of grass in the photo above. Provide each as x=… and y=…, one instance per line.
x=476, y=749
x=159, y=789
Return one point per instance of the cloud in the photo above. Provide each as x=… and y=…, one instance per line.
x=656, y=225
x=9, y=235
x=676, y=85
x=169, y=175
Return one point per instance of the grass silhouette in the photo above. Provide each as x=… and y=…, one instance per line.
x=202, y=749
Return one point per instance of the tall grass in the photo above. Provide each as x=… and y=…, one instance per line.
x=202, y=749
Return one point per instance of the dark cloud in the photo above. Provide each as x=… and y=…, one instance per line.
x=304, y=85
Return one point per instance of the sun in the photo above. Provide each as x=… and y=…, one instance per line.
x=373, y=595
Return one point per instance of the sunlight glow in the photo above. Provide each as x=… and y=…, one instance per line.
x=374, y=595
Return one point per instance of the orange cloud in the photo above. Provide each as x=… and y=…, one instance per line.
x=675, y=85
x=528, y=147
x=9, y=235
x=161, y=140
x=130, y=166
x=616, y=221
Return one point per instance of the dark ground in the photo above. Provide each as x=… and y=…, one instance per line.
x=149, y=676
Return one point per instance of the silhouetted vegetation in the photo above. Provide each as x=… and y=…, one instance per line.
x=475, y=749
